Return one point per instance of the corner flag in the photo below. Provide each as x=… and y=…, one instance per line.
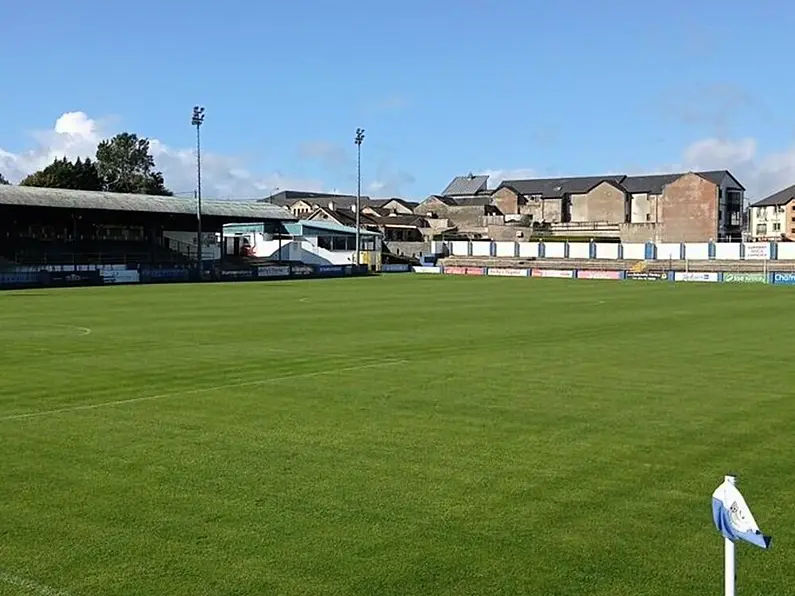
x=732, y=516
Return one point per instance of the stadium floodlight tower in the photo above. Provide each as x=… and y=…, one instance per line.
x=359, y=139
x=197, y=121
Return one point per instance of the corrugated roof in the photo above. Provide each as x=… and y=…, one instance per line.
x=465, y=185
x=296, y=228
x=781, y=197
x=29, y=196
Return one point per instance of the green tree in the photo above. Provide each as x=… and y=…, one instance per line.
x=3, y=180
x=62, y=173
x=125, y=165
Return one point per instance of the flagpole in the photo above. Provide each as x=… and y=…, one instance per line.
x=728, y=557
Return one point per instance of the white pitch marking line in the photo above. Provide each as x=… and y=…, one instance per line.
x=202, y=390
x=83, y=330
x=30, y=585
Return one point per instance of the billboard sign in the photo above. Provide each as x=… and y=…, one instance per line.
x=500, y=272
x=273, y=271
x=71, y=278
x=237, y=275
x=757, y=250
x=121, y=277
x=784, y=278
x=647, y=275
x=427, y=269
x=746, y=278
x=695, y=276
x=560, y=273
x=302, y=270
x=587, y=274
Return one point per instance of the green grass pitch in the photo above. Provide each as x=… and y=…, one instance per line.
x=393, y=436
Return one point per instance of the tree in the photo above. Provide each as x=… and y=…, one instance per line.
x=3, y=180
x=125, y=165
x=62, y=173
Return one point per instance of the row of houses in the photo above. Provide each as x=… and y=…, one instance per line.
x=679, y=207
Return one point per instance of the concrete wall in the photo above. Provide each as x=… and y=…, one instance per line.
x=603, y=203
x=606, y=250
x=481, y=248
x=554, y=250
x=641, y=232
x=580, y=250
x=409, y=249
x=726, y=251
x=506, y=249
x=634, y=251
x=528, y=250
x=643, y=208
x=459, y=247
x=666, y=251
x=786, y=251
x=694, y=251
x=507, y=200
x=697, y=252
x=689, y=209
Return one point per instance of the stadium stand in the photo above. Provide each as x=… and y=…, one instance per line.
x=42, y=226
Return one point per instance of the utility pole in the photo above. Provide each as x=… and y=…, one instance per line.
x=197, y=121
x=359, y=139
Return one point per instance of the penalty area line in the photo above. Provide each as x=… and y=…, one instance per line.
x=200, y=390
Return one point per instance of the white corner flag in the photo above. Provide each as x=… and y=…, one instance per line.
x=734, y=521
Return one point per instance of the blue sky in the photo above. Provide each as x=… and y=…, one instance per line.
x=442, y=88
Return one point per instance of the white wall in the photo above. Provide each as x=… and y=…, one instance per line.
x=669, y=251
x=554, y=250
x=697, y=251
x=506, y=249
x=634, y=251
x=580, y=250
x=459, y=248
x=727, y=251
x=606, y=250
x=481, y=248
x=786, y=251
x=528, y=250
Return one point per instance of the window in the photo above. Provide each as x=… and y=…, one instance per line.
x=776, y=227
x=324, y=242
x=761, y=229
x=648, y=217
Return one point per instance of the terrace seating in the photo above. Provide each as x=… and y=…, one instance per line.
x=749, y=266
x=35, y=252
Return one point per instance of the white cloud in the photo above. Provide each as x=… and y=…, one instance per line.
x=75, y=135
x=498, y=176
x=761, y=173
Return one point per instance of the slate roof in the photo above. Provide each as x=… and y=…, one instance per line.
x=552, y=188
x=465, y=185
x=558, y=187
x=29, y=196
x=781, y=197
